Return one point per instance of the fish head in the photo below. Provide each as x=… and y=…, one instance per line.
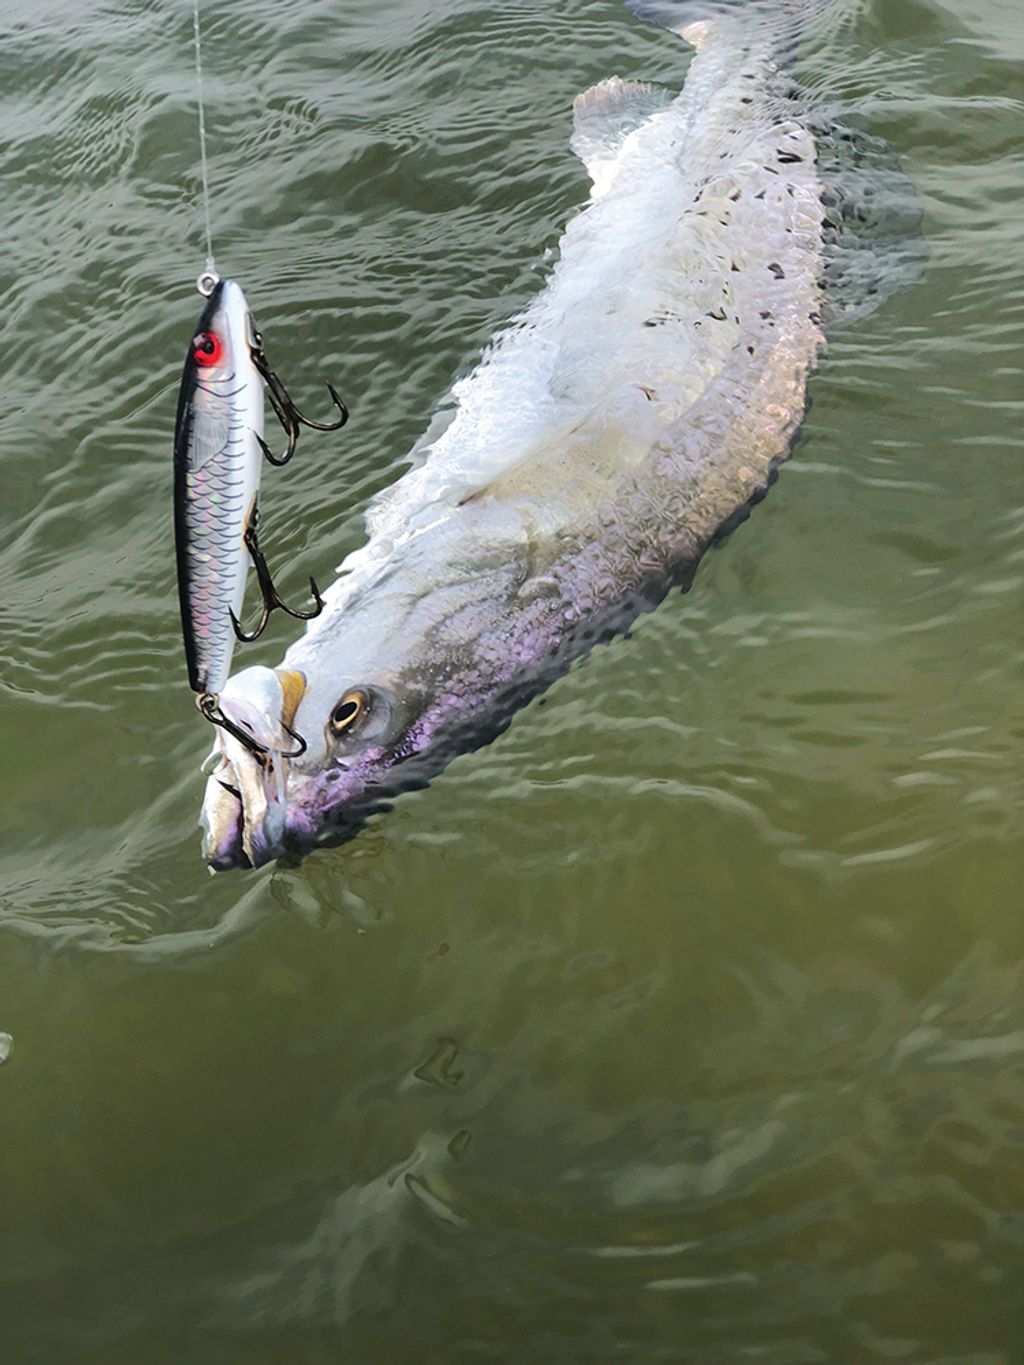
x=377, y=700
x=323, y=759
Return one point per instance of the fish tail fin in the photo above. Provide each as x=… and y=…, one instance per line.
x=871, y=221
x=783, y=21
x=873, y=246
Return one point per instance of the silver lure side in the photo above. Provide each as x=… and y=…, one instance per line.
x=217, y=463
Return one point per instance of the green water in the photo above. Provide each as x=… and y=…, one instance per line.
x=683, y=1024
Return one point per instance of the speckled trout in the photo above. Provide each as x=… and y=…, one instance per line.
x=629, y=416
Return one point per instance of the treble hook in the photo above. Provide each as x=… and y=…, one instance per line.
x=209, y=705
x=284, y=409
x=268, y=592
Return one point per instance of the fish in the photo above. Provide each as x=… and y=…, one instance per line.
x=627, y=419
x=217, y=463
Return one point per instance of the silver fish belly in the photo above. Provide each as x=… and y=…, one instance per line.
x=217, y=461
x=635, y=410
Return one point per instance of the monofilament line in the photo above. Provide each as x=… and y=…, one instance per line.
x=210, y=264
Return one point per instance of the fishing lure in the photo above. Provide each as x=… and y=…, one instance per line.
x=218, y=454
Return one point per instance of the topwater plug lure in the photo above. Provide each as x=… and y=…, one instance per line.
x=218, y=454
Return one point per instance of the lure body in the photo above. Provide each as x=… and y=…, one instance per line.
x=217, y=462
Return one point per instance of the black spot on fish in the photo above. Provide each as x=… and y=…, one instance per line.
x=750, y=350
x=759, y=194
x=765, y=314
x=735, y=196
x=660, y=319
x=786, y=158
x=777, y=270
x=745, y=99
x=735, y=267
x=718, y=316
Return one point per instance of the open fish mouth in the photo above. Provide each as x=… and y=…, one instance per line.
x=241, y=830
x=246, y=804
x=223, y=821
x=243, y=815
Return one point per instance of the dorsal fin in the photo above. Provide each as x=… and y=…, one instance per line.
x=605, y=115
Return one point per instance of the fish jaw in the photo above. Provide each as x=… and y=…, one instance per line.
x=221, y=821
x=250, y=817
x=244, y=810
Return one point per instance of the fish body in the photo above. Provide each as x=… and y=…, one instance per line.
x=217, y=462
x=630, y=415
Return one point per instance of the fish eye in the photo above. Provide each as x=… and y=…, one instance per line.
x=207, y=349
x=348, y=711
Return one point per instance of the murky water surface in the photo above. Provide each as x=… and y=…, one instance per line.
x=683, y=1024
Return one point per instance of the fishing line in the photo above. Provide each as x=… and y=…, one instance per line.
x=209, y=277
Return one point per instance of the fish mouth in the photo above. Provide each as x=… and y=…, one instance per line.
x=245, y=808
x=223, y=822
x=243, y=814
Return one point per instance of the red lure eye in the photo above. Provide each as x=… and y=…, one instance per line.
x=207, y=349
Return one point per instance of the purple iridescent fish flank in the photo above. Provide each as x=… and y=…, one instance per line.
x=656, y=381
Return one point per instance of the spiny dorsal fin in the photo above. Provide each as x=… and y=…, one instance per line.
x=605, y=115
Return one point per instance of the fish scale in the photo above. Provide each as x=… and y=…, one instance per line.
x=217, y=461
